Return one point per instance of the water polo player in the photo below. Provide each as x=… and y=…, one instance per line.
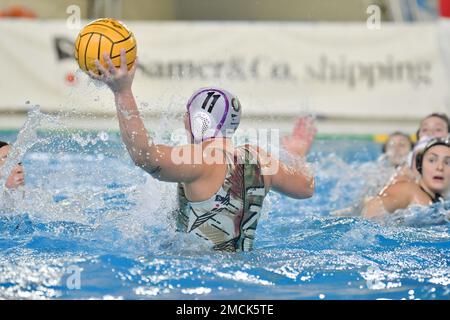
x=433, y=164
x=16, y=177
x=220, y=196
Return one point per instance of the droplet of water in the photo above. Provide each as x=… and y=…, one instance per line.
x=103, y=136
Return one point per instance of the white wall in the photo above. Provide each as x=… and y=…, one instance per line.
x=349, y=75
x=284, y=10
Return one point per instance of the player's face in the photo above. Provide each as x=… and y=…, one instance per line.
x=433, y=127
x=436, y=168
x=397, y=149
x=17, y=175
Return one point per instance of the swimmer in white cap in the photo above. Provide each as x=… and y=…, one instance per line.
x=221, y=195
x=433, y=165
x=392, y=161
x=434, y=125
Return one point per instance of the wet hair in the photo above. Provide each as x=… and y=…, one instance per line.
x=398, y=133
x=433, y=142
x=439, y=115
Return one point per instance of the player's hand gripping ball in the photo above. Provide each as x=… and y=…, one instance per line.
x=104, y=36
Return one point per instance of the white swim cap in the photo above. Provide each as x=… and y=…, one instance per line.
x=418, y=147
x=213, y=112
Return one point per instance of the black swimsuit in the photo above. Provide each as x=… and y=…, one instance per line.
x=438, y=198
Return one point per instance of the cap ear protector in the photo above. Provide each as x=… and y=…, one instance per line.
x=433, y=142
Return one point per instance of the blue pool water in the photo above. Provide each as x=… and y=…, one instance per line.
x=94, y=226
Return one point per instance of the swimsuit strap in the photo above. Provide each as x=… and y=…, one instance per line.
x=436, y=199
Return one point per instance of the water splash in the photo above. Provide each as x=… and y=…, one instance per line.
x=88, y=205
x=26, y=138
x=420, y=216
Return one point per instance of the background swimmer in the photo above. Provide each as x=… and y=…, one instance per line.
x=435, y=125
x=433, y=164
x=15, y=180
x=395, y=153
x=396, y=149
x=398, y=153
x=17, y=176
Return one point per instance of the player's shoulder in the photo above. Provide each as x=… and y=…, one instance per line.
x=404, y=188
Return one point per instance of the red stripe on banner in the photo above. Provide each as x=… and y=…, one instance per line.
x=444, y=8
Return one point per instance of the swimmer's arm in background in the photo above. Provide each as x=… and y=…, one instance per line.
x=293, y=182
x=157, y=160
x=396, y=196
x=300, y=141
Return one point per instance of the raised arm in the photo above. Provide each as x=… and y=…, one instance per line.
x=157, y=160
x=300, y=141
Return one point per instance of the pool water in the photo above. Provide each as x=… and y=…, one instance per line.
x=92, y=225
